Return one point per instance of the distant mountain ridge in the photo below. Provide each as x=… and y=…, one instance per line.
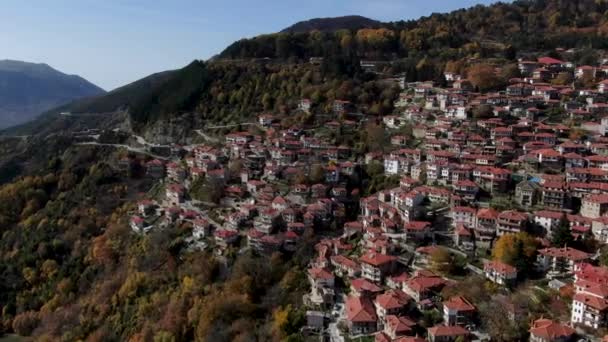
x=29, y=89
x=350, y=22
x=420, y=49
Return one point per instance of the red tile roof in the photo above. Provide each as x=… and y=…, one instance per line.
x=550, y=331
x=459, y=303
x=360, y=310
x=442, y=330
x=319, y=273
x=393, y=299
x=423, y=283
x=377, y=259
x=361, y=284
x=565, y=252
x=399, y=324
x=500, y=267
x=592, y=301
x=487, y=213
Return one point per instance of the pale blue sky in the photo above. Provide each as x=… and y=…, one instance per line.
x=115, y=42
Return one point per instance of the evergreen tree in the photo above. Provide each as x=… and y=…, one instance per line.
x=562, y=236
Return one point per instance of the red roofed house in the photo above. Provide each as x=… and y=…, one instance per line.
x=511, y=221
x=500, y=273
x=321, y=286
x=155, y=168
x=545, y=330
x=201, y=228
x=423, y=287
x=409, y=339
x=146, y=207
x=485, y=225
x=561, y=259
x=392, y=302
x=375, y=266
x=443, y=333
x=590, y=301
x=550, y=62
x=417, y=230
x=464, y=237
x=458, y=311
x=364, y=288
x=396, y=326
x=224, y=237
x=463, y=215
x=137, y=223
x=594, y=206
x=360, y=316
x=345, y=266
x=175, y=194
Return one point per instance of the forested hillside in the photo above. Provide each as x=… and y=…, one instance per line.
x=70, y=269
x=272, y=71
x=524, y=25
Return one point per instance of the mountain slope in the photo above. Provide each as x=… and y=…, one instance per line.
x=238, y=84
x=351, y=22
x=115, y=100
x=28, y=89
x=524, y=25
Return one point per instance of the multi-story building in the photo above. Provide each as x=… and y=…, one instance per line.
x=527, y=193
x=375, y=266
x=594, y=206
x=458, y=311
x=590, y=301
x=500, y=273
x=485, y=225
x=553, y=194
x=511, y=221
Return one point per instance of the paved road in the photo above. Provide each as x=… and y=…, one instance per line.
x=129, y=148
x=233, y=125
x=334, y=333
x=205, y=136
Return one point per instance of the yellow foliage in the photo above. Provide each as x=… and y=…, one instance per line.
x=374, y=35
x=188, y=284
x=131, y=285
x=483, y=76
x=505, y=249
x=49, y=268
x=30, y=275
x=51, y=305
x=280, y=318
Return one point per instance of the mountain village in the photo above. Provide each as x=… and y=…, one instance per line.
x=459, y=172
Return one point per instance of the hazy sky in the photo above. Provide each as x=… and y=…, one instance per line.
x=115, y=42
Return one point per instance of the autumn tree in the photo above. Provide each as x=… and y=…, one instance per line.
x=375, y=137
x=482, y=112
x=483, y=77
x=441, y=261
x=458, y=67
x=518, y=250
x=493, y=317
x=25, y=323
x=510, y=71
x=563, y=78
x=317, y=174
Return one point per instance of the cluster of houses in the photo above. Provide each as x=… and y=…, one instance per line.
x=277, y=183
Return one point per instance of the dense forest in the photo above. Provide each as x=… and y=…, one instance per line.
x=525, y=25
x=231, y=92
